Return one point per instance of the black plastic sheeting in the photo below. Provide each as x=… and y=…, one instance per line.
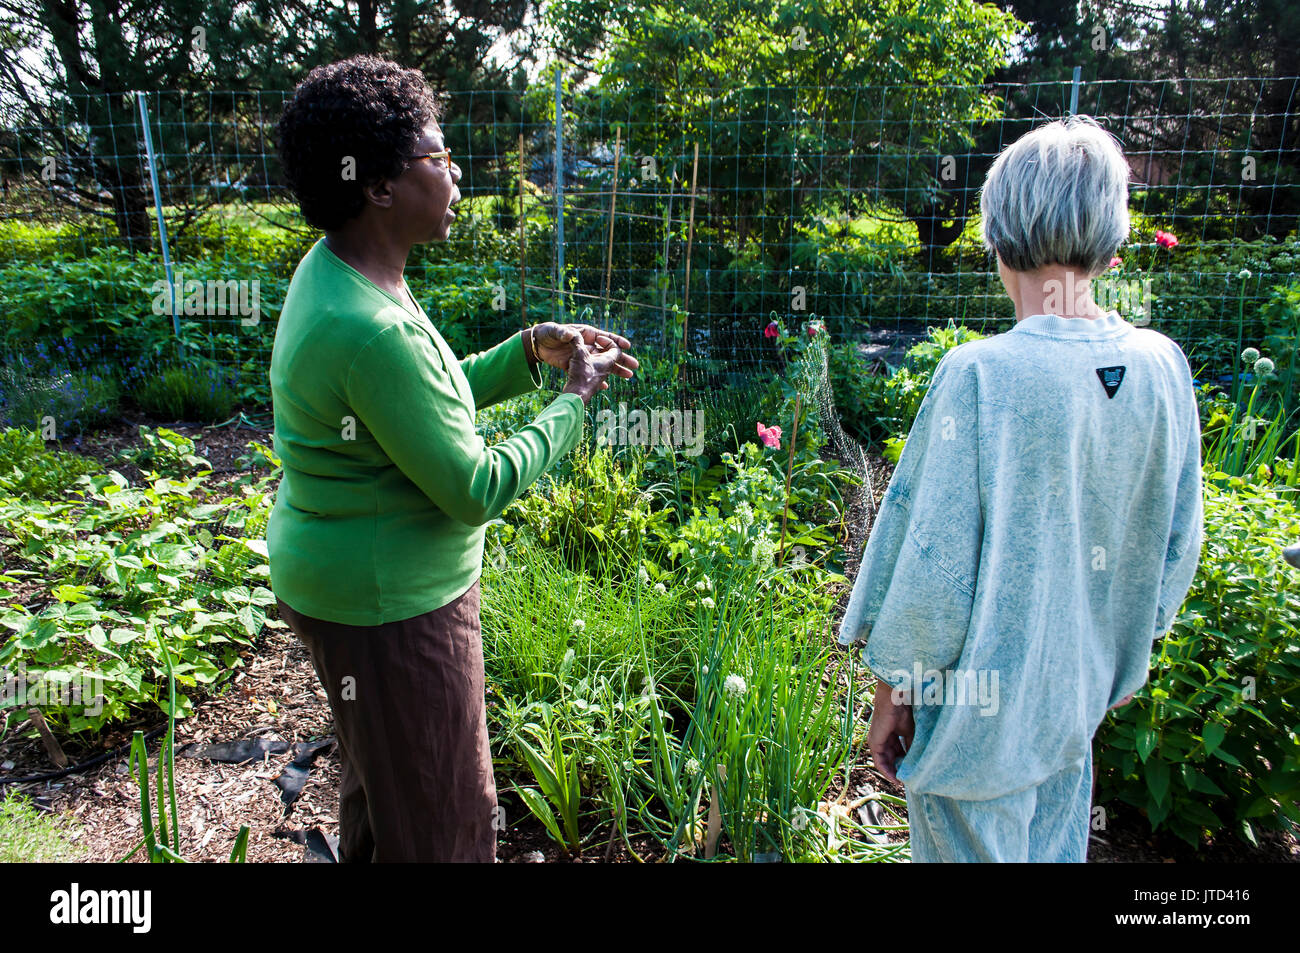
x=322, y=848
x=290, y=781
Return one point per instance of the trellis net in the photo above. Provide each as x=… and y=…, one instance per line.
x=690, y=220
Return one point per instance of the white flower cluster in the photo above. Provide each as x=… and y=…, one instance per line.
x=764, y=553
x=734, y=685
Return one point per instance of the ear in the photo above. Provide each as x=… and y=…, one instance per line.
x=379, y=194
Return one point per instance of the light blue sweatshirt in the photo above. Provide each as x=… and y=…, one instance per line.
x=1041, y=530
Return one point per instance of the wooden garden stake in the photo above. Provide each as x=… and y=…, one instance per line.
x=523, y=238
x=690, y=237
x=51, y=743
x=613, y=201
x=789, y=470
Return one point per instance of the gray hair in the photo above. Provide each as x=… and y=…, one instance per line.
x=1057, y=195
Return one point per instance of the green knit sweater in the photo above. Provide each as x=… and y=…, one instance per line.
x=387, y=485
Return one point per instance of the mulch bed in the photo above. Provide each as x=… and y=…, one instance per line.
x=277, y=697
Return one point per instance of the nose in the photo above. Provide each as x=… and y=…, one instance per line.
x=455, y=172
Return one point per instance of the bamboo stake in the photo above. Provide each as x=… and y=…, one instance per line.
x=613, y=200
x=523, y=238
x=789, y=471
x=668, y=224
x=690, y=237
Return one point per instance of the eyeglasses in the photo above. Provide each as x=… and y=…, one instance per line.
x=436, y=156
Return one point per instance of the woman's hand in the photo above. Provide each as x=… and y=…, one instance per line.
x=589, y=368
x=891, y=730
x=554, y=344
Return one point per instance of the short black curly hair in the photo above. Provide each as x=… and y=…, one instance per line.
x=365, y=107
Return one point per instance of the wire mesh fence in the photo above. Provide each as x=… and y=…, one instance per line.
x=683, y=218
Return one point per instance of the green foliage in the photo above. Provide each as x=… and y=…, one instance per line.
x=604, y=509
x=602, y=698
x=164, y=452
x=738, y=522
x=161, y=849
x=76, y=398
x=29, y=835
x=117, y=562
x=1210, y=744
x=881, y=410
x=192, y=391
x=29, y=470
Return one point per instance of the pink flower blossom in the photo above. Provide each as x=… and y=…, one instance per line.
x=771, y=330
x=770, y=435
x=1116, y=262
x=1165, y=239
x=814, y=329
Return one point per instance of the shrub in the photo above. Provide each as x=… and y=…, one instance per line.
x=1210, y=744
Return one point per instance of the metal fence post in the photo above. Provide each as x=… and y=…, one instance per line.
x=1074, y=91
x=162, y=225
x=559, y=195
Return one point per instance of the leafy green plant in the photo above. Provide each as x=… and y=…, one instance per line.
x=164, y=452
x=881, y=409
x=556, y=772
x=29, y=835
x=30, y=470
x=198, y=391
x=113, y=560
x=76, y=399
x=601, y=511
x=160, y=847
x=1211, y=743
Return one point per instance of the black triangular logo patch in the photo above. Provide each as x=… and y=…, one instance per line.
x=1111, y=378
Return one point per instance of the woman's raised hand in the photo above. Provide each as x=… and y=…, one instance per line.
x=589, y=367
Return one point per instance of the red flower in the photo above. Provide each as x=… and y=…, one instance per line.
x=814, y=329
x=1116, y=262
x=770, y=435
x=771, y=330
x=1165, y=239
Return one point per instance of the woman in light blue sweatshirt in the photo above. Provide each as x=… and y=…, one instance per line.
x=1041, y=530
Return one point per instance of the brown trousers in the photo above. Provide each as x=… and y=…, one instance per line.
x=411, y=724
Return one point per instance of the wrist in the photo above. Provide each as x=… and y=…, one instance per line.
x=530, y=346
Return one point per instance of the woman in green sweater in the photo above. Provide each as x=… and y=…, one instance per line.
x=376, y=537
